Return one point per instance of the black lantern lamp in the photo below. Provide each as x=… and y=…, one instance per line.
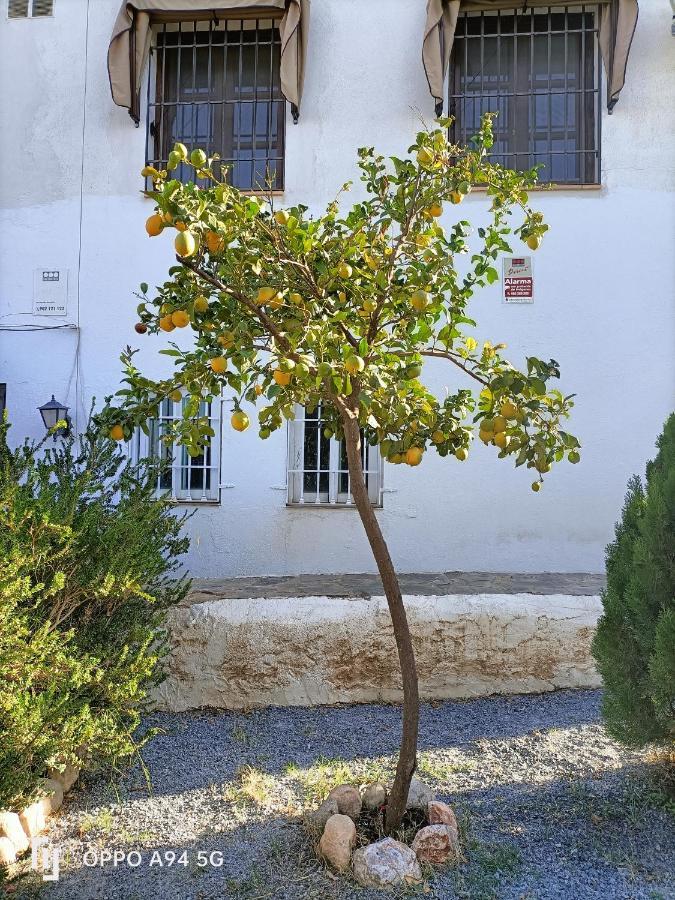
x=54, y=412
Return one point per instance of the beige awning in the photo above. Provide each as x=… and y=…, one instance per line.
x=618, y=19
x=130, y=41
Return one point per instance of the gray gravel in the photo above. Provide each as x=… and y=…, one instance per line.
x=549, y=806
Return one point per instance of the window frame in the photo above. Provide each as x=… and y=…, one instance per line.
x=588, y=146
x=334, y=498
x=141, y=447
x=155, y=140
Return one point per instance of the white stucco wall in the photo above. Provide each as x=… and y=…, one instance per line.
x=69, y=197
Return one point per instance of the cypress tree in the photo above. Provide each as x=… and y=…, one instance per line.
x=634, y=646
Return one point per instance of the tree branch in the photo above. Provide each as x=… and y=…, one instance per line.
x=245, y=301
x=440, y=354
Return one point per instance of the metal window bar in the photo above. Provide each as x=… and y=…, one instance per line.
x=540, y=69
x=186, y=478
x=318, y=474
x=216, y=86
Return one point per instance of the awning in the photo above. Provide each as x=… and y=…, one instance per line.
x=618, y=19
x=130, y=41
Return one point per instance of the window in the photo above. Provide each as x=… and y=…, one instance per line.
x=24, y=9
x=317, y=465
x=217, y=87
x=539, y=70
x=188, y=478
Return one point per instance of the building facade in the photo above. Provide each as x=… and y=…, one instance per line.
x=73, y=250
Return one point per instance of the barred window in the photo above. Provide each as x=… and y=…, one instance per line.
x=192, y=479
x=216, y=86
x=24, y=9
x=540, y=71
x=317, y=465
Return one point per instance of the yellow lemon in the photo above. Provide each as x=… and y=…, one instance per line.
x=265, y=294
x=185, y=244
x=354, y=365
x=218, y=365
x=239, y=420
x=154, y=225
x=419, y=300
x=414, y=456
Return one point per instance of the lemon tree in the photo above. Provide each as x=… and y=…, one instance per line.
x=344, y=310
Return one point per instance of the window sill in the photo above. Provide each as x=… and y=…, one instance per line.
x=328, y=506
x=550, y=188
x=180, y=502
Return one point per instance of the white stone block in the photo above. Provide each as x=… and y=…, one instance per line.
x=7, y=852
x=11, y=827
x=34, y=817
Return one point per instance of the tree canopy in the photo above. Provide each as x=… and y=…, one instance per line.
x=344, y=308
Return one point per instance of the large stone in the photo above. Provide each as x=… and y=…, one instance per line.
x=7, y=852
x=245, y=651
x=374, y=796
x=317, y=818
x=439, y=813
x=436, y=844
x=337, y=840
x=53, y=791
x=387, y=863
x=34, y=817
x=420, y=795
x=348, y=800
x=67, y=776
x=11, y=827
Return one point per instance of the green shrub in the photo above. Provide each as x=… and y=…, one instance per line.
x=635, y=642
x=88, y=561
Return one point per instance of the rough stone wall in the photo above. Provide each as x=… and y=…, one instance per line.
x=298, y=651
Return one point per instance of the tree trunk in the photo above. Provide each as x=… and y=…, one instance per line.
x=407, y=760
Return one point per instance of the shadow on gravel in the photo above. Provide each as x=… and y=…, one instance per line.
x=549, y=808
x=590, y=839
x=302, y=734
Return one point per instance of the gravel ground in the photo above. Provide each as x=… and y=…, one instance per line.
x=549, y=806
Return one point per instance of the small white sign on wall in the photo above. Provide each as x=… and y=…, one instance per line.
x=50, y=292
x=518, y=284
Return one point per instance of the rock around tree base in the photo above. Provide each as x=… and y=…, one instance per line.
x=351, y=819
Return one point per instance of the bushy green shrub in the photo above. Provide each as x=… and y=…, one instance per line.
x=88, y=561
x=635, y=642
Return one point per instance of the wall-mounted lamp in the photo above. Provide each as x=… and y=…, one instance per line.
x=54, y=412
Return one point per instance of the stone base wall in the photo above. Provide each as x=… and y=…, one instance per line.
x=237, y=653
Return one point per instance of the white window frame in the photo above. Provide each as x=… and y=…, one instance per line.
x=143, y=446
x=334, y=497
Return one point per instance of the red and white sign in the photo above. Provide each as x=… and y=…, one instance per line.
x=518, y=281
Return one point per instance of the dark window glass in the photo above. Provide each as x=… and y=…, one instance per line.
x=316, y=467
x=538, y=71
x=217, y=88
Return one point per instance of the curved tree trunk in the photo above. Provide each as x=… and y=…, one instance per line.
x=407, y=760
